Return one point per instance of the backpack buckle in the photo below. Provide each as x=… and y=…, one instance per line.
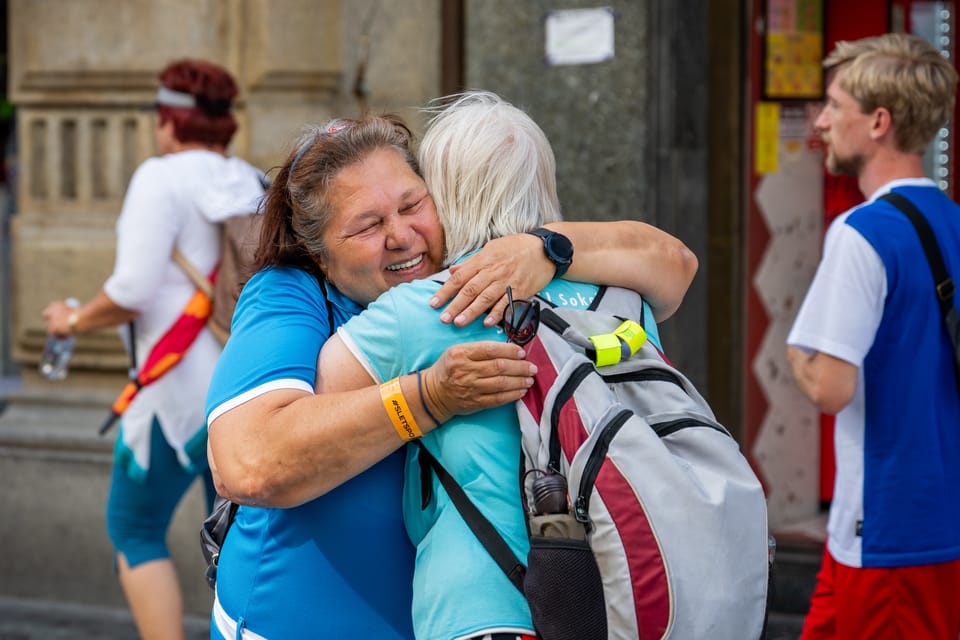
x=945, y=289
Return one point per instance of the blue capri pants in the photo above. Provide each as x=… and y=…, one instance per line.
x=139, y=513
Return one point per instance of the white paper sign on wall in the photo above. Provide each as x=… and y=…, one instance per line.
x=580, y=36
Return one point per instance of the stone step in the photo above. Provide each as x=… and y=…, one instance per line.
x=33, y=619
x=796, y=563
x=56, y=472
x=784, y=626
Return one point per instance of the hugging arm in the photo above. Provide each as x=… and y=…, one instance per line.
x=625, y=253
x=286, y=447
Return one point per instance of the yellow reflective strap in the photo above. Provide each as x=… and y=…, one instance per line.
x=608, y=349
x=633, y=334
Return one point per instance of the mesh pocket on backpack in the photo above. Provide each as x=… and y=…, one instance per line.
x=564, y=590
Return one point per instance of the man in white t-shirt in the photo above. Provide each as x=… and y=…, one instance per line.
x=869, y=345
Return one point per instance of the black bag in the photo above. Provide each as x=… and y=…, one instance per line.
x=214, y=532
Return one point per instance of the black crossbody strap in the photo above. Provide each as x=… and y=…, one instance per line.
x=133, y=351
x=492, y=541
x=941, y=279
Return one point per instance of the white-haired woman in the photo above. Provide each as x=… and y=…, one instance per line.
x=491, y=172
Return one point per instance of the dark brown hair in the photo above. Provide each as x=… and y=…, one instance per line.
x=296, y=209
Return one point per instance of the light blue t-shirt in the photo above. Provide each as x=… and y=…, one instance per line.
x=458, y=588
x=339, y=566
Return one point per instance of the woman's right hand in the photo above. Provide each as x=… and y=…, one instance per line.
x=478, y=285
x=473, y=376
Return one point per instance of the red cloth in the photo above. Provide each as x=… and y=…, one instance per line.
x=897, y=603
x=167, y=352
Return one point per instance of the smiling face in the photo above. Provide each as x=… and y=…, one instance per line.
x=384, y=229
x=845, y=129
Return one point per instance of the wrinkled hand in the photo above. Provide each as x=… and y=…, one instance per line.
x=477, y=375
x=480, y=282
x=55, y=315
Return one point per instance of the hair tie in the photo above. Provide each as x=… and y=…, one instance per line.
x=424, y=402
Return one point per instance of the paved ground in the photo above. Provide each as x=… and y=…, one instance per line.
x=22, y=619
x=8, y=384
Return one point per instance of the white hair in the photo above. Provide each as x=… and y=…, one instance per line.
x=490, y=170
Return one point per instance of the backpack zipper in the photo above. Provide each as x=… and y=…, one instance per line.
x=645, y=375
x=663, y=429
x=563, y=396
x=592, y=467
x=581, y=506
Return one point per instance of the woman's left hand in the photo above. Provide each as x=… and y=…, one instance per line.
x=479, y=283
x=473, y=376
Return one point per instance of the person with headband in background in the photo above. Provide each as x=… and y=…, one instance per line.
x=174, y=202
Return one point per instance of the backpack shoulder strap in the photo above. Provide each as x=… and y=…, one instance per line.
x=441, y=276
x=326, y=299
x=941, y=279
x=485, y=532
x=198, y=279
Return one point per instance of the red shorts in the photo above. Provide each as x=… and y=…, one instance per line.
x=908, y=603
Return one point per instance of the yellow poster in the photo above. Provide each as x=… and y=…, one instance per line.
x=793, y=50
x=766, y=137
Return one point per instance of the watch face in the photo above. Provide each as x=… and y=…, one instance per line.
x=560, y=247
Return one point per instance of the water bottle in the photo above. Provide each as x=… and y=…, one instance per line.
x=57, y=353
x=550, y=494
x=551, y=517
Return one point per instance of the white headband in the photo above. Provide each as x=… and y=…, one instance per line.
x=170, y=98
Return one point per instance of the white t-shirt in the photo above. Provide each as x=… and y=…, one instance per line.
x=850, y=282
x=173, y=201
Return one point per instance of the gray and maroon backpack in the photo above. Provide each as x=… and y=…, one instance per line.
x=645, y=519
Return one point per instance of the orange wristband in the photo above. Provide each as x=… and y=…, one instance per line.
x=398, y=410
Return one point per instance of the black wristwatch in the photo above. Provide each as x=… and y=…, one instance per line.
x=558, y=248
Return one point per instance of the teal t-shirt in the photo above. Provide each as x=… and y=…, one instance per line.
x=458, y=588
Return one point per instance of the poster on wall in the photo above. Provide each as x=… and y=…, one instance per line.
x=793, y=50
x=580, y=36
